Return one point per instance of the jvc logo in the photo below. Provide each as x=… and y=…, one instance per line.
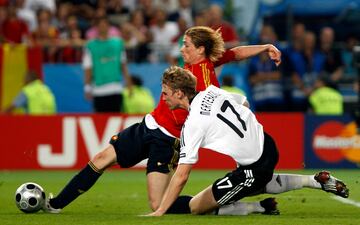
x=93, y=144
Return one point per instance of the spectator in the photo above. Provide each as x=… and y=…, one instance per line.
x=297, y=36
x=228, y=32
x=175, y=57
x=162, y=33
x=133, y=38
x=148, y=10
x=26, y=14
x=140, y=101
x=347, y=55
x=325, y=100
x=93, y=31
x=266, y=83
x=71, y=41
x=84, y=10
x=185, y=11
x=307, y=64
x=200, y=19
x=27, y=10
x=170, y=6
x=35, y=97
x=104, y=62
x=228, y=85
x=61, y=20
x=295, y=47
x=334, y=65
x=72, y=47
x=265, y=78
x=14, y=29
x=46, y=35
x=130, y=4
x=137, y=21
x=116, y=7
x=71, y=24
x=37, y=5
x=117, y=12
x=268, y=35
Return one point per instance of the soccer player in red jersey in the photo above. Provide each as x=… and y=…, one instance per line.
x=202, y=51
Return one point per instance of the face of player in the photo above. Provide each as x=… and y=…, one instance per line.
x=170, y=97
x=189, y=52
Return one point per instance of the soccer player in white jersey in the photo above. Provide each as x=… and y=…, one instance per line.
x=220, y=121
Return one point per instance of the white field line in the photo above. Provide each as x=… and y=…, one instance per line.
x=347, y=201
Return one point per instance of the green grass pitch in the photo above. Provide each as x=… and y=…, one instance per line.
x=119, y=197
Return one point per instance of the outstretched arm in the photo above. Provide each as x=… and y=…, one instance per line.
x=244, y=52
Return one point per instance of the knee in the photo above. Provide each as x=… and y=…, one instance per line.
x=102, y=160
x=193, y=208
x=99, y=157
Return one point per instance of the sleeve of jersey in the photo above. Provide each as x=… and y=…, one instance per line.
x=228, y=56
x=191, y=139
x=86, y=59
x=238, y=98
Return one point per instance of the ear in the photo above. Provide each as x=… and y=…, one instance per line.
x=180, y=94
x=201, y=50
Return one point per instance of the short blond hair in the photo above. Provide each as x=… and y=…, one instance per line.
x=209, y=38
x=178, y=78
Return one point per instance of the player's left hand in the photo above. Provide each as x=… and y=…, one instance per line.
x=274, y=54
x=156, y=213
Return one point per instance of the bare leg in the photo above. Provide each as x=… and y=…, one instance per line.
x=105, y=158
x=156, y=185
x=203, y=202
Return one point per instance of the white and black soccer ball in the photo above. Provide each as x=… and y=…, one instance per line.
x=29, y=197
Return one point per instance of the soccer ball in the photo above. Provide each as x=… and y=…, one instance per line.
x=29, y=197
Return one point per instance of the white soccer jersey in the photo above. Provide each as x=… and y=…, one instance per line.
x=219, y=121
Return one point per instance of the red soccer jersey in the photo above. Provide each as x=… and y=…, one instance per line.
x=173, y=120
x=14, y=30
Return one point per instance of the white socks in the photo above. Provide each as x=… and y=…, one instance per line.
x=241, y=208
x=287, y=182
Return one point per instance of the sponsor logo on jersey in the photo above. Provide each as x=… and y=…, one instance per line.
x=334, y=141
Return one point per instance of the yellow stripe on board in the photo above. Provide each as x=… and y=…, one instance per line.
x=13, y=74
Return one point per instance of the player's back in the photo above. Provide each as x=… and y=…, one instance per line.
x=229, y=127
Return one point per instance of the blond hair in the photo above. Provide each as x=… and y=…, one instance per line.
x=178, y=78
x=209, y=38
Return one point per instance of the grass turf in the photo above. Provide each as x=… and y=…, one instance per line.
x=119, y=197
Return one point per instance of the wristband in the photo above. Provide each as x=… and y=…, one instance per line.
x=87, y=88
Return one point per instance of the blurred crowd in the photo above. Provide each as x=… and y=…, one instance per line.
x=313, y=62
x=152, y=32
x=150, y=28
